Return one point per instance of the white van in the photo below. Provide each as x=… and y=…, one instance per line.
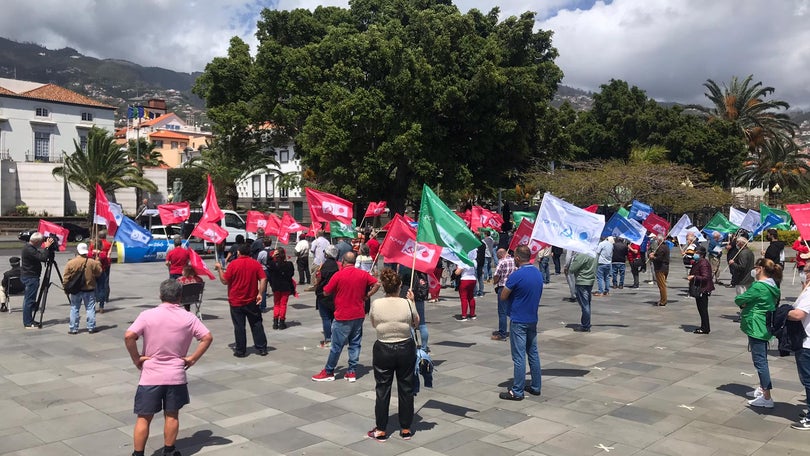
x=232, y=222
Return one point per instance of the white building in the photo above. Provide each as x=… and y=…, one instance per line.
x=38, y=126
x=264, y=190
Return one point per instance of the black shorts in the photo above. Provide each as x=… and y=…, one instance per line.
x=152, y=399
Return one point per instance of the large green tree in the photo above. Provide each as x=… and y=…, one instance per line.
x=104, y=163
x=390, y=94
x=237, y=151
x=779, y=162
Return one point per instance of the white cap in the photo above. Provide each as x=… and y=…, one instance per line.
x=82, y=248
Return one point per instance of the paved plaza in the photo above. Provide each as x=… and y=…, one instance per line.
x=640, y=383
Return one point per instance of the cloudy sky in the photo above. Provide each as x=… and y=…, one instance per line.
x=666, y=47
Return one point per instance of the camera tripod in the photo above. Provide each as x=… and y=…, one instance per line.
x=42, y=297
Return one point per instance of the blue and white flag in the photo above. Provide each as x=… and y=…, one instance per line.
x=131, y=234
x=683, y=223
x=692, y=229
x=117, y=211
x=564, y=225
x=751, y=220
x=736, y=216
x=621, y=227
x=639, y=211
x=771, y=220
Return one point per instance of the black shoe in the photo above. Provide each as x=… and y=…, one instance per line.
x=282, y=324
x=275, y=323
x=239, y=355
x=700, y=331
x=580, y=329
x=4, y=308
x=263, y=352
x=510, y=396
x=569, y=299
x=533, y=392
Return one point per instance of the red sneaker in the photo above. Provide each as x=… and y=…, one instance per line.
x=323, y=376
x=350, y=377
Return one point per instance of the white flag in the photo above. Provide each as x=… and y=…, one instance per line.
x=564, y=225
x=751, y=221
x=736, y=216
x=692, y=229
x=683, y=223
x=117, y=211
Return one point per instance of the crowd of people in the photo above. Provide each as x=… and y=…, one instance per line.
x=345, y=278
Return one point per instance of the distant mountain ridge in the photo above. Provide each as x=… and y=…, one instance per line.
x=114, y=81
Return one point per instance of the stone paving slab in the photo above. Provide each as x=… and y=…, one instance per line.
x=641, y=383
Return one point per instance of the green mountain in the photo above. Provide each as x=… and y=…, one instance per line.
x=116, y=82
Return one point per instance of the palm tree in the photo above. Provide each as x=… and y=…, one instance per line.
x=780, y=161
x=103, y=163
x=744, y=104
x=229, y=159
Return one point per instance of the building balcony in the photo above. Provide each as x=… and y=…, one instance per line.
x=49, y=158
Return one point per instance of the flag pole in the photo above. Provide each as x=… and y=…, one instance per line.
x=413, y=264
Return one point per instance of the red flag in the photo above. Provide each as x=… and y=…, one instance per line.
x=210, y=231
x=313, y=229
x=256, y=220
x=375, y=209
x=484, y=218
x=656, y=224
x=103, y=210
x=801, y=217
x=273, y=225
x=289, y=224
x=174, y=213
x=47, y=228
x=466, y=216
x=199, y=265
x=394, y=220
x=325, y=207
x=400, y=243
x=210, y=207
x=523, y=236
x=592, y=208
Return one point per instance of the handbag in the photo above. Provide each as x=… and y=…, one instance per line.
x=695, y=290
x=76, y=283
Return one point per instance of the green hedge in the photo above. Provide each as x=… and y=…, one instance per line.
x=787, y=236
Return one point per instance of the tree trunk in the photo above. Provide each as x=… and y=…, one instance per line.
x=91, y=210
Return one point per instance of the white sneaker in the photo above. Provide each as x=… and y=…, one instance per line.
x=761, y=402
x=802, y=425
x=755, y=393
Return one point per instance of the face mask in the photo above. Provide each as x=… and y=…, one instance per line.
x=754, y=273
x=696, y=257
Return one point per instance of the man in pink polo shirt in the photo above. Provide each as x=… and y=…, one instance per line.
x=167, y=332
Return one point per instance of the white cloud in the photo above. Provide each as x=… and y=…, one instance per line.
x=666, y=47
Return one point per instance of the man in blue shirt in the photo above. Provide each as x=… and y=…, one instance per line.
x=523, y=290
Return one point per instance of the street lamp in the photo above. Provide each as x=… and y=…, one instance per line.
x=776, y=192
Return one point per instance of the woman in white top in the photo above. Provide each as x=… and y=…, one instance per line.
x=466, y=287
x=394, y=353
x=364, y=260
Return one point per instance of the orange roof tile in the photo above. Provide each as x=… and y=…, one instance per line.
x=156, y=119
x=168, y=135
x=51, y=92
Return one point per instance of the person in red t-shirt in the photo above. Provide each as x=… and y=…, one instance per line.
x=350, y=286
x=100, y=250
x=246, y=283
x=373, y=245
x=635, y=260
x=177, y=258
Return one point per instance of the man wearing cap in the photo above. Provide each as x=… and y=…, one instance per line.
x=92, y=270
x=8, y=286
x=32, y=257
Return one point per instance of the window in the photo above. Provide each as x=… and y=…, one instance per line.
x=257, y=186
x=42, y=112
x=284, y=156
x=42, y=145
x=158, y=143
x=175, y=144
x=87, y=116
x=269, y=186
x=83, y=142
x=284, y=192
x=233, y=221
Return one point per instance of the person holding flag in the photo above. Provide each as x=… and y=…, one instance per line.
x=99, y=249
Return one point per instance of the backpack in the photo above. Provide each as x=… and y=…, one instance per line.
x=790, y=334
x=421, y=287
x=76, y=283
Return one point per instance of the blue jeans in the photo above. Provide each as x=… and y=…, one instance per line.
x=503, y=312
x=102, y=292
x=617, y=270
x=327, y=316
x=88, y=297
x=803, y=366
x=343, y=332
x=423, y=332
x=29, y=299
x=603, y=278
x=480, y=280
x=523, y=344
x=544, y=269
x=584, y=300
x=759, y=355
x=487, y=268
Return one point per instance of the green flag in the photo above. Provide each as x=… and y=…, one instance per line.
x=764, y=210
x=623, y=212
x=720, y=223
x=517, y=216
x=440, y=226
x=340, y=229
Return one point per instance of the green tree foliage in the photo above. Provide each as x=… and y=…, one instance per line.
x=668, y=187
x=237, y=151
x=392, y=93
x=194, y=182
x=103, y=163
x=142, y=154
x=779, y=162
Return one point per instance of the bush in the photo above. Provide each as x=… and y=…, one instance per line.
x=787, y=236
x=21, y=210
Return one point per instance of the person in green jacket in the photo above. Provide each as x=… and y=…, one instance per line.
x=583, y=267
x=761, y=297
